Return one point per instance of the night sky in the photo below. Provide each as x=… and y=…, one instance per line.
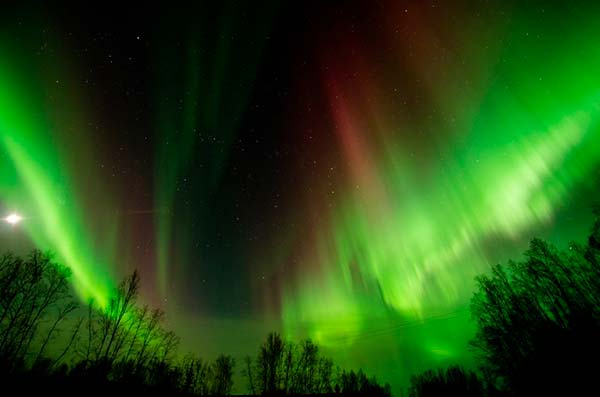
x=334, y=170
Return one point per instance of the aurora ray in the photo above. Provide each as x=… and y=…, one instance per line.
x=423, y=203
x=333, y=172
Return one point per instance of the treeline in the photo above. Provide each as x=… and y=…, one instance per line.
x=285, y=368
x=47, y=340
x=538, y=322
x=49, y=343
x=538, y=326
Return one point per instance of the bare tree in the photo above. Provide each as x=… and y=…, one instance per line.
x=223, y=375
x=32, y=290
x=63, y=312
x=139, y=323
x=70, y=343
x=119, y=310
x=248, y=372
x=149, y=335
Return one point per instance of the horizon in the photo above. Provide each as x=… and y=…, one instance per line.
x=338, y=172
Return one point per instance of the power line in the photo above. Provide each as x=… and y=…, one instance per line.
x=366, y=334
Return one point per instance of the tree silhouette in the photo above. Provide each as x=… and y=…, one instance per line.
x=123, y=348
x=357, y=384
x=113, y=319
x=539, y=319
x=222, y=371
x=33, y=291
x=122, y=344
x=287, y=368
x=453, y=381
x=196, y=376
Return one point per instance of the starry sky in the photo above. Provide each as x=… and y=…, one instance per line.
x=338, y=171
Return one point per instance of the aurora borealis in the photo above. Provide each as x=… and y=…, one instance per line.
x=341, y=172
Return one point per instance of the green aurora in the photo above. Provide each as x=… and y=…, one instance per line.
x=410, y=202
x=37, y=181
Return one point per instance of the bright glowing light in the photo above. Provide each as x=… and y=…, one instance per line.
x=13, y=219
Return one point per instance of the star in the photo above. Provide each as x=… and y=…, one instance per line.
x=13, y=219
